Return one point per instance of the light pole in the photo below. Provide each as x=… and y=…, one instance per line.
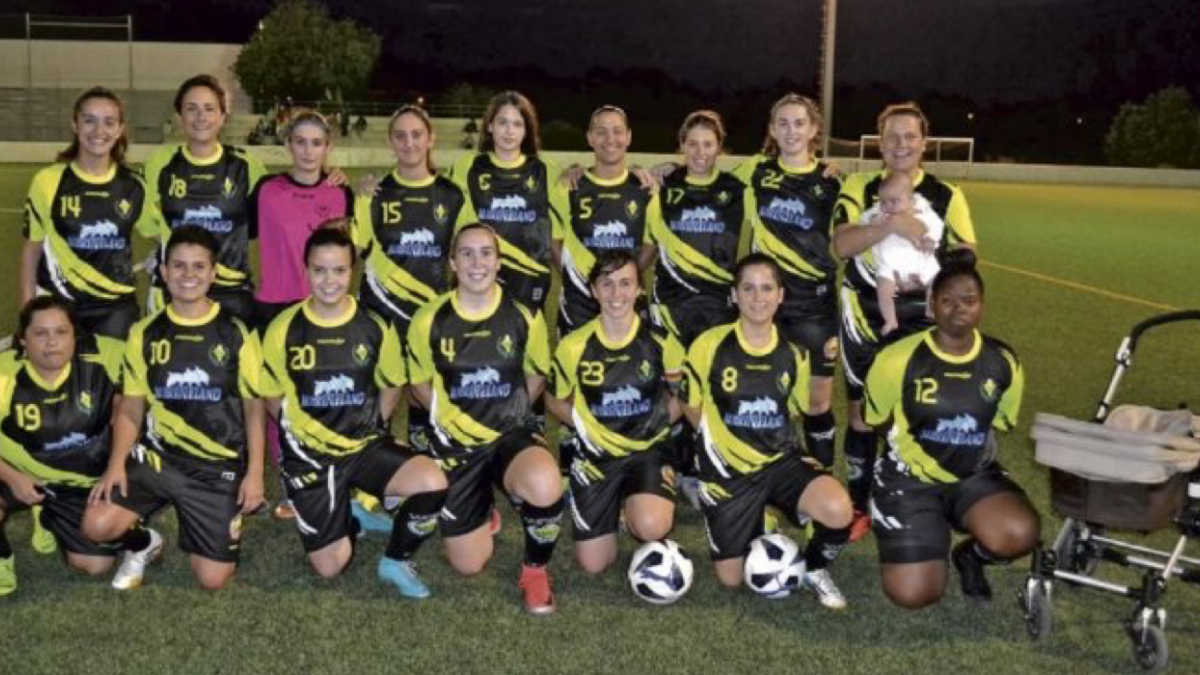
x=828, y=35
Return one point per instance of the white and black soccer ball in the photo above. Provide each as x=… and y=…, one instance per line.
x=773, y=566
x=660, y=572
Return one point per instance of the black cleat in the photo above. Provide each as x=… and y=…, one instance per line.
x=970, y=571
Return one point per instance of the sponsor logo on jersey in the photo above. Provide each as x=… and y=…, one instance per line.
x=761, y=413
x=481, y=383
x=208, y=216
x=786, y=211
x=190, y=385
x=102, y=235
x=68, y=442
x=625, y=401
x=960, y=430
x=334, y=392
x=700, y=220
x=510, y=209
x=613, y=234
x=416, y=244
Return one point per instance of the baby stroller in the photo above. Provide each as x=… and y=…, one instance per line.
x=1132, y=468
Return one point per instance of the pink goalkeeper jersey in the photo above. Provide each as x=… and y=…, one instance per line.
x=285, y=213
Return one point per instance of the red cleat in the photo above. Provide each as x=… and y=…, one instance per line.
x=535, y=584
x=859, y=526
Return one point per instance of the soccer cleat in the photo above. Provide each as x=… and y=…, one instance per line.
x=284, y=511
x=370, y=522
x=822, y=586
x=970, y=572
x=495, y=522
x=43, y=540
x=133, y=564
x=8, y=575
x=403, y=575
x=535, y=585
x=860, y=526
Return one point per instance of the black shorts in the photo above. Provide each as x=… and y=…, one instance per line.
x=599, y=488
x=322, y=497
x=733, y=508
x=473, y=478
x=205, y=501
x=62, y=515
x=530, y=289
x=686, y=318
x=861, y=324
x=912, y=522
x=816, y=332
x=110, y=319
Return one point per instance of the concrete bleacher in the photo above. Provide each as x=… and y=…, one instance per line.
x=45, y=114
x=448, y=132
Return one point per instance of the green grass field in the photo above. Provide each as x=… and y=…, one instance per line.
x=1069, y=271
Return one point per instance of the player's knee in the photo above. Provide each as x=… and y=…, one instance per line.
x=541, y=488
x=469, y=567
x=91, y=565
x=592, y=564
x=647, y=526
x=214, y=580
x=912, y=596
x=729, y=574
x=100, y=526
x=1013, y=537
x=425, y=476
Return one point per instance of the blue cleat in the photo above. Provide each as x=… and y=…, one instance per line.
x=403, y=575
x=368, y=521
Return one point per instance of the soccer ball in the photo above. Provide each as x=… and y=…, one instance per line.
x=773, y=567
x=660, y=572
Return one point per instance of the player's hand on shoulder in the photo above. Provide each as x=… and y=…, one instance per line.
x=645, y=177
x=571, y=175
x=337, y=177
x=367, y=186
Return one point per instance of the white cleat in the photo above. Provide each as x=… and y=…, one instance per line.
x=133, y=563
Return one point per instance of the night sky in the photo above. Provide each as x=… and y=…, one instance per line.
x=998, y=57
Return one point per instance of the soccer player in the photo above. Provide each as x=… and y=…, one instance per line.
x=745, y=385
x=336, y=370
x=940, y=393
x=205, y=183
x=56, y=396
x=79, y=220
x=189, y=428
x=902, y=130
x=404, y=227
x=608, y=209
x=477, y=359
x=285, y=209
x=612, y=381
x=513, y=189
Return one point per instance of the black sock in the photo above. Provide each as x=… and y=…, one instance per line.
x=982, y=554
x=136, y=539
x=859, y=450
x=567, y=448
x=414, y=522
x=824, y=546
x=820, y=434
x=5, y=546
x=419, y=429
x=542, y=526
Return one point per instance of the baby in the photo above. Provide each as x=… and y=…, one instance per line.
x=896, y=259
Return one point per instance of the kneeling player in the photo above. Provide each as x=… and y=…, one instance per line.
x=56, y=397
x=746, y=385
x=611, y=386
x=196, y=368
x=335, y=375
x=477, y=359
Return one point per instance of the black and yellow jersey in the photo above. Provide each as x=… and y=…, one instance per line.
x=213, y=193
x=791, y=212
x=476, y=366
x=85, y=225
x=942, y=407
x=860, y=191
x=328, y=375
x=521, y=200
x=404, y=231
x=60, y=432
x=618, y=391
x=699, y=236
x=747, y=399
x=604, y=214
x=194, y=375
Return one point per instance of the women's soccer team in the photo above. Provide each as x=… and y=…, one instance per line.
x=715, y=382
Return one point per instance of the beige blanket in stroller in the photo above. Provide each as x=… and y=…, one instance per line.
x=1136, y=444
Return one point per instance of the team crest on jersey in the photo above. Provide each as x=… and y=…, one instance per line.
x=505, y=346
x=645, y=371
x=228, y=187
x=362, y=354
x=124, y=207
x=990, y=390
x=632, y=209
x=723, y=197
x=831, y=349
x=817, y=191
x=440, y=213
x=85, y=401
x=531, y=183
x=219, y=355
x=784, y=383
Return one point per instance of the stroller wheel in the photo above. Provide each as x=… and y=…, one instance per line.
x=1035, y=603
x=1075, y=550
x=1149, y=647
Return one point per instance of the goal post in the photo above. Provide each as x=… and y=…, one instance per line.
x=937, y=148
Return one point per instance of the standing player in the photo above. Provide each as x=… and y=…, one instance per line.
x=194, y=367
x=513, y=189
x=79, y=221
x=745, y=385
x=335, y=375
x=205, y=183
x=612, y=381
x=902, y=130
x=477, y=360
x=404, y=229
x=56, y=397
x=940, y=394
